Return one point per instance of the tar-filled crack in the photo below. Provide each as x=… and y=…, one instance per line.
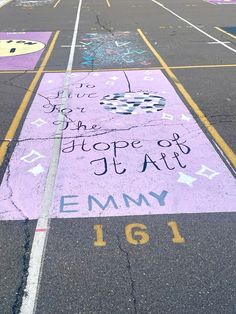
x=102, y=132
x=57, y=109
x=26, y=247
x=103, y=26
x=128, y=82
x=132, y=283
x=25, y=268
x=10, y=196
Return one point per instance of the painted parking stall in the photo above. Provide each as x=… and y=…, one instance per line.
x=129, y=128
x=22, y=51
x=118, y=49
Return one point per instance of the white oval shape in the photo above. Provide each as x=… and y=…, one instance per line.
x=17, y=47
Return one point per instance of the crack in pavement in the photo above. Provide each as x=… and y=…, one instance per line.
x=132, y=282
x=103, y=26
x=102, y=132
x=20, y=292
x=10, y=197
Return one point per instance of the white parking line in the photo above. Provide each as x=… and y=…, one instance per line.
x=56, y=4
x=4, y=2
x=194, y=26
x=215, y=43
x=29, y=303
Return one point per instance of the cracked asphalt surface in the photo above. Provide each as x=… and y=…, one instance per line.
x=197, y=276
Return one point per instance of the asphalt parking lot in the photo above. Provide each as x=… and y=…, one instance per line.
x=117, y=156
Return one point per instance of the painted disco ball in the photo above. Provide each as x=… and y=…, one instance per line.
x=133, y=103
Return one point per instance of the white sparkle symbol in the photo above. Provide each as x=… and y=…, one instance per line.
x=148, y=78
x=207, y=172
x=184, y=117
x=114, y=78
x=167, y=116
x=186, y=179
x=111, y=83
x=39, y=122
x=37, y=170
x=32, y=156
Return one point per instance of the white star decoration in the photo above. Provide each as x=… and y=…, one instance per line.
x=39, y=122
x=186, y=118
x=207, y=172
x=37, y=170
x=111, y=83
x=148, y=78
x=167, y=116
x=185, y=179
x=32, y=156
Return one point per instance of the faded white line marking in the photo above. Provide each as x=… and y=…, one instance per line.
x=29, y=303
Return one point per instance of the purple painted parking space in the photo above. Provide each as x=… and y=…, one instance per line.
x=129, y=147
x=21, y=51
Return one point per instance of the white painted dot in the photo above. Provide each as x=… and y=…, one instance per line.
x=50, y=81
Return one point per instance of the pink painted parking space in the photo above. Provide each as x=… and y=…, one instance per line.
x=129, y=128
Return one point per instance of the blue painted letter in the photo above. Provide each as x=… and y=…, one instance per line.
x=63, y=204
x=138, y=202
x=160, y=198
x=110, y=199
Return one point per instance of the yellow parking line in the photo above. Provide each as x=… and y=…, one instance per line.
x=56, y=4
x=207, y=66
x=23, y=106
x=200, y=66
x=213, y=132
x=223, y=31
x=15, y=72
x=108, y=3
